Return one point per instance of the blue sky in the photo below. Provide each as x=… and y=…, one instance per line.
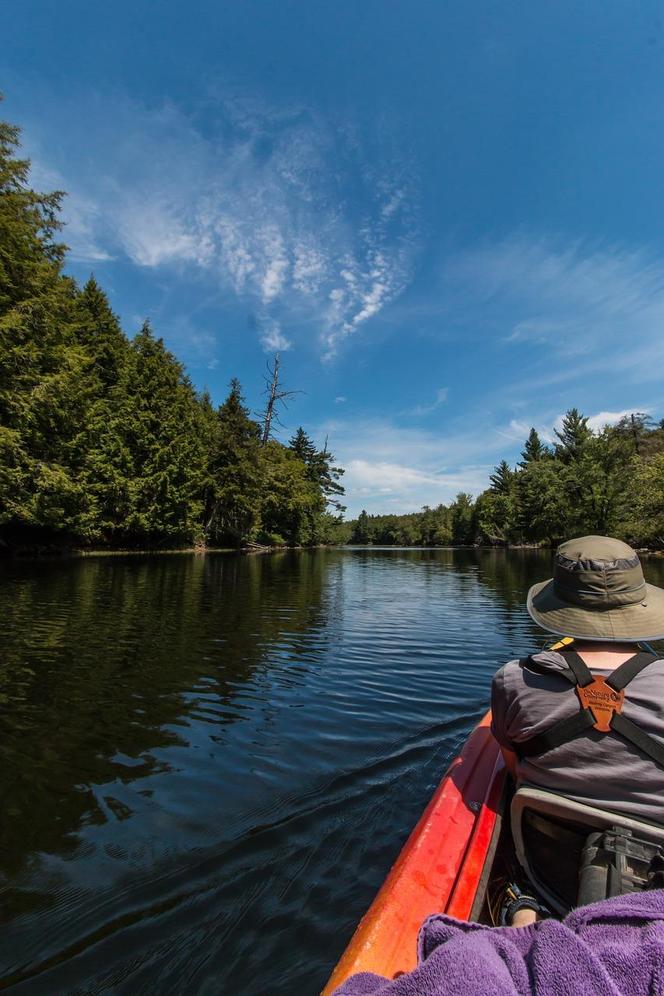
x=446, y=217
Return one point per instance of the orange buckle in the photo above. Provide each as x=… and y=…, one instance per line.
x=602, y=700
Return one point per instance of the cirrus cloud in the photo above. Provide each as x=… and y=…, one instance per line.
x=277, y=206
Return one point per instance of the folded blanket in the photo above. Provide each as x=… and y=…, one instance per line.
x=612, y=948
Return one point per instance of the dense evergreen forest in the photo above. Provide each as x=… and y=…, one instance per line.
x=104, y=440
x=607, y=482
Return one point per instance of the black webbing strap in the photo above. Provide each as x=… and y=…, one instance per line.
x=567, y=729
x=624, y=674
x=577, y=673
x=560, y=733
x=578, y=667
x=636, y=736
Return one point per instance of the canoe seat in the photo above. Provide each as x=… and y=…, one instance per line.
x=574, y=853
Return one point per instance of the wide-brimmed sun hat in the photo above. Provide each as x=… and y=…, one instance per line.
x=598, y=592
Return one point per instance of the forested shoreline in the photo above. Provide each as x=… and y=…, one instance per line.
x=104, y=441
x=608, y=482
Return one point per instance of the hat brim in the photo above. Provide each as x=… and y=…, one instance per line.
x=624, y=623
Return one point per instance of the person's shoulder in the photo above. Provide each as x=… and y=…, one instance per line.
x=505, y=672
x=511, y=674
x=506, y=677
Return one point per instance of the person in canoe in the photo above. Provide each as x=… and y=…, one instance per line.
x=587, y=720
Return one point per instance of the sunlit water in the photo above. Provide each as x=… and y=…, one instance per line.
x=208, y=764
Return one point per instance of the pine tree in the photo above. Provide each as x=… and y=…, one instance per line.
x=98, y=329
x=533, y=450
x=328, y=478
x=503, y=479
x=463, y=526
x=572, y=436
x=234, y=497
x=30, y=256
x=363, y=532
x=635, y=427
x=291, y=502
x=303, y=447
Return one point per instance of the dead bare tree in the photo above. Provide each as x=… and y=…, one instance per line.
x=275, y=396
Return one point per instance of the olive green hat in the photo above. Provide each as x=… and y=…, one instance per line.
x=598, y=592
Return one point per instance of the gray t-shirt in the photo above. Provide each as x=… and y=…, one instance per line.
x=598, y=769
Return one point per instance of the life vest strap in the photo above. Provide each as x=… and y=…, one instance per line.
x=578, y=674
x=560, y=733
x=622, y=675
x=638, y=738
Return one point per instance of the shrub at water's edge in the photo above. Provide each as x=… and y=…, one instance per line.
x=104, y=441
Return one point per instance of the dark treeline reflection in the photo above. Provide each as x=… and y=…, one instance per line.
x=100, y=666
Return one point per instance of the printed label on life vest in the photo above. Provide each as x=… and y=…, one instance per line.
x=602, y=700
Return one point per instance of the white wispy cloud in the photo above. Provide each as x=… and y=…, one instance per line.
x=82, y=219
x=259, y=203
x=586, y=308
x=427, y=409
x=393, y=468
x=392, y=486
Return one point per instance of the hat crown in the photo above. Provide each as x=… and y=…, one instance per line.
x=597, y=548
x=598, y=572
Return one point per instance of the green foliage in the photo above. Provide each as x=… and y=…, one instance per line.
x=534, y=450
x=646, y=501
x=573, y=436
x=233, y=499
x=104, y=439
x=320, y=468
x=291, y=501
x=608, y=482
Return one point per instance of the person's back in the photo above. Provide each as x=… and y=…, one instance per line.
x=542, y=706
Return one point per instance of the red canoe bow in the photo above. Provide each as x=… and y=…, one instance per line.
x=439, y=868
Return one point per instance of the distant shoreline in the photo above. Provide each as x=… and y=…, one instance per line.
x=64, y=552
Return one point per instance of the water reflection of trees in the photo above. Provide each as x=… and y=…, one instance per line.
x=510, y=573
x=104, y=664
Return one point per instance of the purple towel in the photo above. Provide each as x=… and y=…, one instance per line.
x=612, y=948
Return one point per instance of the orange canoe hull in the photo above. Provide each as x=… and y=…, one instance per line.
x=439, y=867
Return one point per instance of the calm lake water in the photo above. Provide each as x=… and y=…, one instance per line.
x=208, y=764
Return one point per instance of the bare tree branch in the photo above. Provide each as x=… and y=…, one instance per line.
x=275, y=397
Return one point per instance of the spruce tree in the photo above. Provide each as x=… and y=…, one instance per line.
x=533, y=450
x=572, y=436
x=30, y=255
x=303, y=447
x=234, y=495
x=98, y=329
x=503, y=479
x=43, y=389
x=152, y=459
x=363, y=532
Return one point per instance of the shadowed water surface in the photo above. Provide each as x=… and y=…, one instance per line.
x=208, y=764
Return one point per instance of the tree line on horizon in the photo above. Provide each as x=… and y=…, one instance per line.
x=608, y=482
x=103, y=438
